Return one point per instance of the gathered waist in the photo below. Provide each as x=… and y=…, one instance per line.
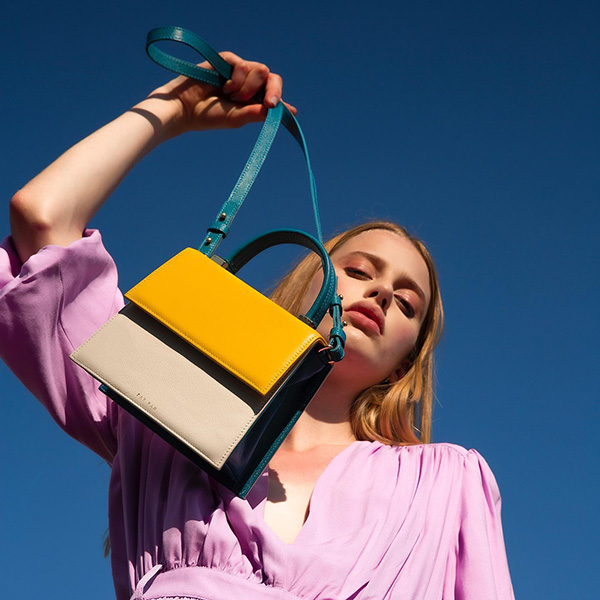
x=202, y=583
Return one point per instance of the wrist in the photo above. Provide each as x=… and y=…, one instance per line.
x=165, y=112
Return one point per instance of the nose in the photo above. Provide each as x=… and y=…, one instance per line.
x=382, y=293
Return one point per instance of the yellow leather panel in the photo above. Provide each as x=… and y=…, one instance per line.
x=225, y=318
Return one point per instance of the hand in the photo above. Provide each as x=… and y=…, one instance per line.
x=203, y=106
x=55, y=206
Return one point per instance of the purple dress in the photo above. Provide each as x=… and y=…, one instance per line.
x=399, y=523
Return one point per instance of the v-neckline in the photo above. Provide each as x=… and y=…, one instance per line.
x=310, y=505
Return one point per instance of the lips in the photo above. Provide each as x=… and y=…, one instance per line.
x=368, y=314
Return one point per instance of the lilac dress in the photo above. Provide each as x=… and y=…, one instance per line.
x=399, y=523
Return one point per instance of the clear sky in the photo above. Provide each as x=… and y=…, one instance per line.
x=473, y=123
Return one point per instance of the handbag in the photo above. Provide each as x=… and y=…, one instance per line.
x=211, y=365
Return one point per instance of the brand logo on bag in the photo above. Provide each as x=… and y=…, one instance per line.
x=145, y=400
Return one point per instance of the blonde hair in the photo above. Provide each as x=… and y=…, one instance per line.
x=397, y=413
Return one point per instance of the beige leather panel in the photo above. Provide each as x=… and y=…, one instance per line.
x=209, y=407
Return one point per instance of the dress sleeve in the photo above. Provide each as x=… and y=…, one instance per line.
x=481, y=564
x=49, y=306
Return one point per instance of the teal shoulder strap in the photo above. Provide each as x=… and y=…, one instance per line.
x=219, y=228
x=327, y=299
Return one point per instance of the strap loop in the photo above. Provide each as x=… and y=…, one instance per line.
x=275, y=116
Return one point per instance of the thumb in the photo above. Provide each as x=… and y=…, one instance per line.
x=240, y=115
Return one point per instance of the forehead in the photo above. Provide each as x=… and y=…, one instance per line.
x=398, y=254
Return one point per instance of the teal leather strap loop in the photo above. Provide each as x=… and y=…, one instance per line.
x=327, y=298
x=337, y=335
x=217, y=77
x=280, y=114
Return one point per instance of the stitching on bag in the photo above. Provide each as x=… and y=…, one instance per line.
x=93, y=336
x=298, y=352
x=262, y=155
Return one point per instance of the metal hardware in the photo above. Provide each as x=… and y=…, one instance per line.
x=222, y=216
x=344, y=323
x=327, y=349
x=208, y=241
x=308, y=321
x=341, y=297
x=220, y=261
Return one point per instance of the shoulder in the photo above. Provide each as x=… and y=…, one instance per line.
x=88, y=251
x=440, y=451
x=441, y=464
x=72, y=287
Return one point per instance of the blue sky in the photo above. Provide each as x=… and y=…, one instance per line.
x=475, y=124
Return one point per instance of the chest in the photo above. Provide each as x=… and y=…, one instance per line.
x=292, y=479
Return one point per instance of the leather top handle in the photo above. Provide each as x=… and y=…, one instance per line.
x=280, y=114
x=327, y=299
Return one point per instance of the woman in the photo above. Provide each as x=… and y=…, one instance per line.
x=354, y=504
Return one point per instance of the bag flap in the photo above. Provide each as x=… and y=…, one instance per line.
x=245, y=332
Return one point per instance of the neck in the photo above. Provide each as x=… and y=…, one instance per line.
x=326, y=420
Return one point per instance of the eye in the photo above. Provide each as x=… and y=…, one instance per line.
x=406, y=306
x=357, y=273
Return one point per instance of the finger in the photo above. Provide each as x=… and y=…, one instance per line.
x=240, y=71
x=232, y=58
x=238, y=77
x=206, y=65
x=253, y=83
x=292, y=109
x=273, y=90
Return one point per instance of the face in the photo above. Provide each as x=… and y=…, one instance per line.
x=384, y=282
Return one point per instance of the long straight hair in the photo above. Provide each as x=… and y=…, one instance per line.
x=394, y=413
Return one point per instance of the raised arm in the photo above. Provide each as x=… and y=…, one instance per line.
x=55, y=206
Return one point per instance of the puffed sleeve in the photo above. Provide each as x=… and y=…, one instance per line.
x=481, y=564
x=48, y=307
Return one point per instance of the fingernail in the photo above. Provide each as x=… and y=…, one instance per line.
x=273, y=101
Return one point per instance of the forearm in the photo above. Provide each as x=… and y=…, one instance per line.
x=55, y=206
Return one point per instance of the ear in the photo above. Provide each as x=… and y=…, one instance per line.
x=400, y=372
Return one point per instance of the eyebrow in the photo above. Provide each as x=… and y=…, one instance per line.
x=380, y=264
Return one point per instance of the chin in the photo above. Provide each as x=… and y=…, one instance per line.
x=362, y=344
x=360, y=365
